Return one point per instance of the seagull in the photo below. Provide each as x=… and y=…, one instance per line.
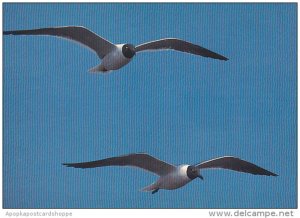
x=115, y=56
x=170, y=176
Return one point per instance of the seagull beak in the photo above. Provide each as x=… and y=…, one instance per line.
x=200, y=177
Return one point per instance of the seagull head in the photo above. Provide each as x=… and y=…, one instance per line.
x=193, y=172
x=128, y=50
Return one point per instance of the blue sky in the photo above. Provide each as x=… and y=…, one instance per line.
x=180, y=108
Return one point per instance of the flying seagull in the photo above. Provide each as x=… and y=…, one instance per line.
x=173, y=177
x=115, y=56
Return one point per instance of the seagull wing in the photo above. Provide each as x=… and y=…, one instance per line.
x=76, y=33
x=140, y=160
x=233, y=163
x=179, y=45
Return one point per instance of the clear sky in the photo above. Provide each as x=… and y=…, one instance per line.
x=180, y=108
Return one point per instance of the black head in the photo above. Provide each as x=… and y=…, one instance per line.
x=128, y=50
x=193, y=173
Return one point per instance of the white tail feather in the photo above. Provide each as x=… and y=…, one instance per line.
x=150, y=188
x=98, y=68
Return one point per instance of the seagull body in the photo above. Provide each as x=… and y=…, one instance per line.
x=115, y=56
x=114, y=60
x=173, y=180
x=170, y=176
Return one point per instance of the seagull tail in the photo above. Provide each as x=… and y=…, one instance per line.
x=98, y=68
x=150, y=188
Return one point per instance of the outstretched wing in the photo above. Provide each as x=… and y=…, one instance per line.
x=76, y=33
x=233, y=163
x=140, y=160
x=179, y=45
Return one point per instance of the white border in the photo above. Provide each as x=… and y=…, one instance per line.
x=145, y=213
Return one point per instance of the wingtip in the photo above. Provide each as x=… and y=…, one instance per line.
x=269, y=174
x=67, y=165
x=74, y=165
x=219, y=57
x=224, y=58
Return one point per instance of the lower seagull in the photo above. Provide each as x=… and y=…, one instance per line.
x=173, y=177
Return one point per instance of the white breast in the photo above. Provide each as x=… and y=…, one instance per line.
x=176, y=179
x=115, y=59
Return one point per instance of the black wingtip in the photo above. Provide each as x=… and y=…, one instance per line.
x=214, y=55
x=223, y=58
x=266, y=173
x=69, y=165
x=77, y=165
x=14, y=32
x=219, y=57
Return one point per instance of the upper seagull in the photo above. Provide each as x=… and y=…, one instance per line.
x=173, y=177
x=115, y=56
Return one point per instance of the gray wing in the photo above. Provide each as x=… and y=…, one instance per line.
x=179, y=45
x=233, y=163
x=140, y=160
x=76, y=33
